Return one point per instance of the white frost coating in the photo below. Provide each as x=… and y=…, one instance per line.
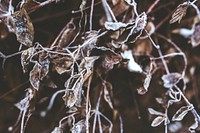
x=132, y=65
x=184, y=32
x=114, y=25
x=175, y=127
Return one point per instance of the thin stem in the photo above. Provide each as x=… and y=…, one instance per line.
x=167, y=55
x=59, y=35
x=53, y=99
x=14, y=89
x=66, y=117
x=91, y=14
x=22, y=122
x=78, y=11
x=97, y=110
x=121, y=124
x=163, y=21
x=41, y=5
x=195, y=114
x=88, y=105
x=152, y=6
x=195, y=7
x=181, y=52
x=100, y=125
x=111, y=125
x=109, y=14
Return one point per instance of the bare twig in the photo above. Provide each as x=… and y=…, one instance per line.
x=88, y=105
x=91, y=14
x=152, y=6
x=109, y=14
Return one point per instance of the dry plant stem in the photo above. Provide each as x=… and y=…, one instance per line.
x=5, y=57
x=195, y=7
x=16, y=123
x=163, y=21
x=41, y=5
x=100, y=125
x=166, y=69
x=91, y=14
x=14, y=89
x=66, y=117
x=135, y=8
x=88, y=104
x=100, y=114
x=59, y=35
x=97, y=112
x=195, y=114
x=22, y=122
x=162, y=6
x=82, y=14
x=121, y=124
x=178, y=49
x=27, y=120
x=111, y=125
x=167, y=55
x=78, y=11
x=53, y=99
x=152, y=6
x=109, y=14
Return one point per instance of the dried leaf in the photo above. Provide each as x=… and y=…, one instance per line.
x=154, y=112
x=179, y=115
x=114, y=25
x=74, y=91
x=57, y=130
x=78, y=93
x=21, y=25
x=79, y=127
x=118, y=8
x=34, y=76
x=171, y=79
x=138, y=27
x=44, y=68
x=23, y=104
x=109, y=61
x=68, y=34
x=62, y=64
x=157, y=121
x=90, y=40
x=25, y=58
x=69, y=98
x=179, y=13
x=87, y=63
